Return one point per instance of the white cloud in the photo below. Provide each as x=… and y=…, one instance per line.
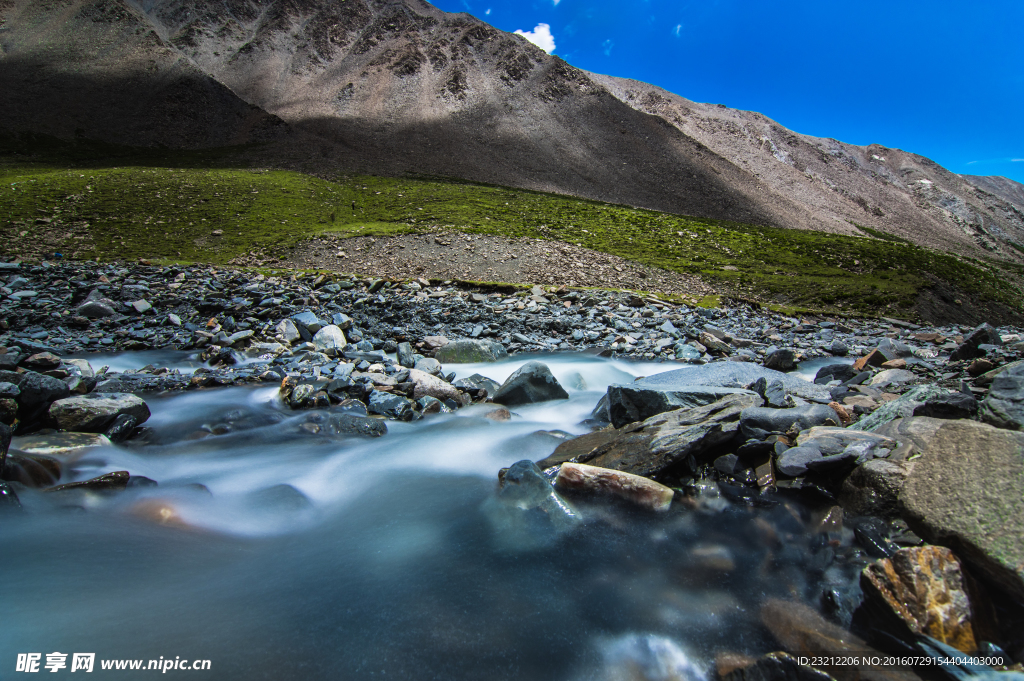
x=677, y=30
x=608, y=45
x=997, y=160
x=488, y=12
x=540, y=36
x=556, y=2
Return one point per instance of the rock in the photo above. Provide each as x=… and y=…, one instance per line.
x=392, y=406
x=9, y=390
x=469, y=350
x=839, y=348
x=531, y=383
x=893, y=377
x=95, y=412
x=895, y=364
x=109, y=482
x=8, y=498
x=330, y=340
x=308, y=320
x=919, y=591
x=122, y=428
x=431, y=386
x=986, y=379
x=66, y=446
x=796, y=460
x=499, y=414
x=6, y=434
x=913, y=435
x=900, y=408
x=406, y=355
x=835, y=372
x=432, y=343
x=654, y=446
x=38, y=389
x=875, y=358
x=983, y=335
x=967, y=492
x=428, y=365
x=873, y=488
x=355, y=424
x=95, y=309
x=714, y=345
x=41, y=361
x=141, y=306
x=478, y=382
x=952, y=406
x=760, y=422
x=980, y=366
x=287, y=331
x=635, y=489
x=1003, y=407
x=630, y=402
x=893, y=349
x=527, y=513
x=775, y=667
x=781, y=360
x=803, y=632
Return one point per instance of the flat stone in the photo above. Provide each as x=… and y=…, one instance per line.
x=796, y=460
x=900, y=408
x=893, y=377
x=631, y=402
x=469, y=350
x=95, y=412
x=106, y=483
x=967, y=492
x=760, y=422
x=635, y=489
x=66, y=446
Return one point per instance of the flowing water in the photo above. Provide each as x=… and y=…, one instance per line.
x=277, y=552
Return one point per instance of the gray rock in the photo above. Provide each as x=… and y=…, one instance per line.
x=9, y=390
x=478, y=382
x=342, y=321
x=406, y=355
x=760, y=422
x=893, y=377
x=983, y=335
x=835, y=372
x=428, y=365
x=661, y=442
x=873, y=488
x=1003, y=407
x=952, y=406
x=533, y=382
x=966, y=492
x=309, y=320
x=733, y=375
x=355, y=424
x=985, y=380
x=141, y=306
x=527, y=513
x=95, y=309
x=469, y=350
x=330, y=340
x=630, y=402
x=892, y=348
x=781, y=360
x=839, y=348
x=38, y=389
x=427, y=385
x=392, y=406
x=831, y=440
x=287, y=330
x=95, y=412
x=901, y=408
x=795, y=460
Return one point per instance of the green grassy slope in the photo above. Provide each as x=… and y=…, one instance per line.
x=165, y=212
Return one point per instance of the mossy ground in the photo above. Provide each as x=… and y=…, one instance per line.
x=167, y=208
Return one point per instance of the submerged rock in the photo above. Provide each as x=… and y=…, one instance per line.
x=533, y=382
x=633, y=488
x=527, y=513
x=967, y=492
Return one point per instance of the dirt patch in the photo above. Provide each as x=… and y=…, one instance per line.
x=454, y=255
x=942, y=303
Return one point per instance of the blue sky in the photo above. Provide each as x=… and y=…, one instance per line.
x=942, y=79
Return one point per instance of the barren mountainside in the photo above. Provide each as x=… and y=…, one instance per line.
x=397, y=86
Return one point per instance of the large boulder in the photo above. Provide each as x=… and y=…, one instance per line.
x=631, y=402
x=470, y=350
x=654, y=446
x=983, y=335
x=760, y=422
x=1004, y=405
x=967, y=492
x=95, y=412
x=330, y=340
x=530, y=383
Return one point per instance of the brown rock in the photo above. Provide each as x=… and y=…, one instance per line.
x=728, y=662
x=930, y=338
x=802, y=631
x=774, y=667
x=898, y=363
x=980, y=366
x=580, y=446
x=875, y=358
x=633, y=488
x=432, y=343
x=499, y=414
x=844, y=416
x=432, y=386
x=920, y=589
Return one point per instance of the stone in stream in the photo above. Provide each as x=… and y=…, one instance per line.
x=6, y=435
x=952, y=406
x=531, y=383
x=900, y=408
x=985, y=334
x=392, y=406
x=631, y=402
x=760, y=422
x=919, y=591
x=835, y=372
x=635, y=489
x=355, y=424
x=8, y=498
x=478, y=382
x=122, y=428
x=527, y=513
x=38, y=389
x=1003, y=407
x=469, y=350
x=428, y=365
x=781, y=360
x=873, y=488
x=65, y=446
x=41, y=361
x=664, y=441
x=967, y=492
x=109, y=482
x=427, y=385
x=95, y=412
x=330, y=340
x=406, y=355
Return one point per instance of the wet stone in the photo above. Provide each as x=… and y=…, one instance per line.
x=527, y=513
x=533, y=382
x=109, y=482
x=635, y=489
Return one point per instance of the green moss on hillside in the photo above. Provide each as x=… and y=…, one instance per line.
x=171, y=213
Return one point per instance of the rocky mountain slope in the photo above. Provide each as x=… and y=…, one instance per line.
x=397, y=86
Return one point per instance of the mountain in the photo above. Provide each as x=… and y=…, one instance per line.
x=1003, y=188
x=400, y=87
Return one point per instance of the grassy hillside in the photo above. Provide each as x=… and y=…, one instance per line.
x=169, y=211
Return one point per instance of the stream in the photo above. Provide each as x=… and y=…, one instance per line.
x=279, y=552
